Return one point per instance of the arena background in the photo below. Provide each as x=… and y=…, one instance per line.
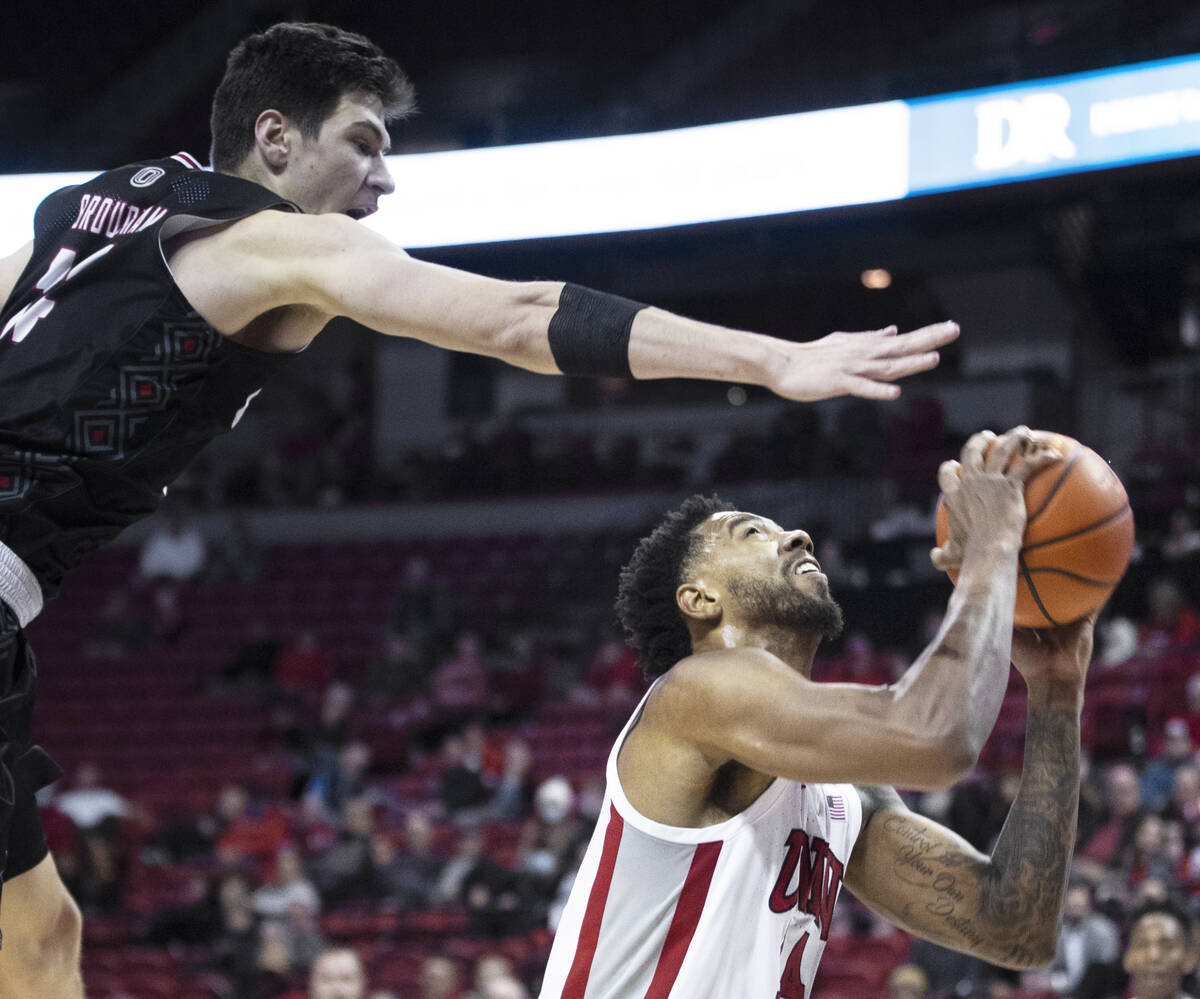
x=402, y=586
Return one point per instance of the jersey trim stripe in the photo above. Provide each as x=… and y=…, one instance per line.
x=188, y=160
x=589, y=933
x=687, y=916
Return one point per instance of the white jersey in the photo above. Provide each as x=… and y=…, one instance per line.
x=737, y=910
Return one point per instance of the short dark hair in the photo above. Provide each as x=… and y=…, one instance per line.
x=646, y=604
x=302, y=70
x=1164, y=907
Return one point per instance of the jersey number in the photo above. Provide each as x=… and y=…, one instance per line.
x=62, y=268
x=791, y=985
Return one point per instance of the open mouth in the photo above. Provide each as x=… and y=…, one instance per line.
x=358, y=214
x=806, y=566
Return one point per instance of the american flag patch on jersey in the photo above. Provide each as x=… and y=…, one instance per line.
x=837, y=807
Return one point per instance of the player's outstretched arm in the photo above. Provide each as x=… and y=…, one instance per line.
x=1004, y=908
x=341, y=268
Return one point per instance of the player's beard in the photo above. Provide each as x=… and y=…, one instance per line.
x=784, y=606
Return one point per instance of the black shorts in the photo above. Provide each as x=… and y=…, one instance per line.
x=24, y=767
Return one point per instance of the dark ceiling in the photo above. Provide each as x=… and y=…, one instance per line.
x=84, y=84
x=87, y=85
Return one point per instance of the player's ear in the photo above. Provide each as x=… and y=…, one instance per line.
x=698, y=601
x=272, y=139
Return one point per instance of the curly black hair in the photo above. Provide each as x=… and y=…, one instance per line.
x=303, y=70
x=646, y=604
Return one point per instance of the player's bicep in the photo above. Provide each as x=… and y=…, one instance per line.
x=746, y=705
x=922, y=877
x=354, y=272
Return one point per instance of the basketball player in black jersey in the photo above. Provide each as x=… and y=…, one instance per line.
x=155, y=301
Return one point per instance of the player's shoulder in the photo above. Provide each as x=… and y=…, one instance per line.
x=718, y=673
x=276, y=233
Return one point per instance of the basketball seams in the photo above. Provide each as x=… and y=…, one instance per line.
x=1029, y=584
x=1095, y=525
x=1073, y=576
x=1073, y=459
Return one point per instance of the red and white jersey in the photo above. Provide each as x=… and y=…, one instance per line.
x=737, y=910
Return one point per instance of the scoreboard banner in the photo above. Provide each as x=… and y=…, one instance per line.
x=764, y=166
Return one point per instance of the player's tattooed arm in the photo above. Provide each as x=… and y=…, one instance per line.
x=1004, y=908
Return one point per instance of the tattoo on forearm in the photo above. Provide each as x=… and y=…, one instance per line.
x=1004, y=908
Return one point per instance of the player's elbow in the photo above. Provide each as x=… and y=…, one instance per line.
x=521, y=338
x=939, y=753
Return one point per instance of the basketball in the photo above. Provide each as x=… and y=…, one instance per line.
x=1078, y=535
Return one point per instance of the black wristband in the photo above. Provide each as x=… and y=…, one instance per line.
x=589, y=332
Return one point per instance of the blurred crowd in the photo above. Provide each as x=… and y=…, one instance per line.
x=446, y=785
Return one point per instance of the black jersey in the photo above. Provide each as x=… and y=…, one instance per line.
x=110, y=382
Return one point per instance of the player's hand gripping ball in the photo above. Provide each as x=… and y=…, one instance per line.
x=1078, y=535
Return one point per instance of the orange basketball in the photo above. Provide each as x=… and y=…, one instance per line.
x=1078, y=536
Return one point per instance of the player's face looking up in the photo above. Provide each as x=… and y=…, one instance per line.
x=763, y=576
x=342, y=168
x=1158, y=956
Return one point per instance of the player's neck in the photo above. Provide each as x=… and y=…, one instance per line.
x=796, y=648
x=253, y=170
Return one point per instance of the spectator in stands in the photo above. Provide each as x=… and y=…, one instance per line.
x=489, y=968
x=303, y=663
x=175, y=551
x=979, y=806
x=1086, y=938
x=248, y=834
x=495, y=901
x=1117, y=639
x=1160, y=953
x=408, y=877
x=907, y=982
x=1192, y=714
x=337, y=973
x=1123, y=799
x=286, y=887
x=273, y=968
x=548, y=838
x=504, y=988
x=1183, y=537
x=194, y=919
x=346, y=780
x=461, y=793
x=1159, y=776
x=90, y=805
x=440, y=979
x=1172, y=621
x=301, y=935
x=345, y=870
x=468, y=852
x=1148, y=856
x=511, y=797
x=458, y=687
x=236, y=946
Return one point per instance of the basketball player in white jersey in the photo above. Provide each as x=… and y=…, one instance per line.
x=741, y=795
